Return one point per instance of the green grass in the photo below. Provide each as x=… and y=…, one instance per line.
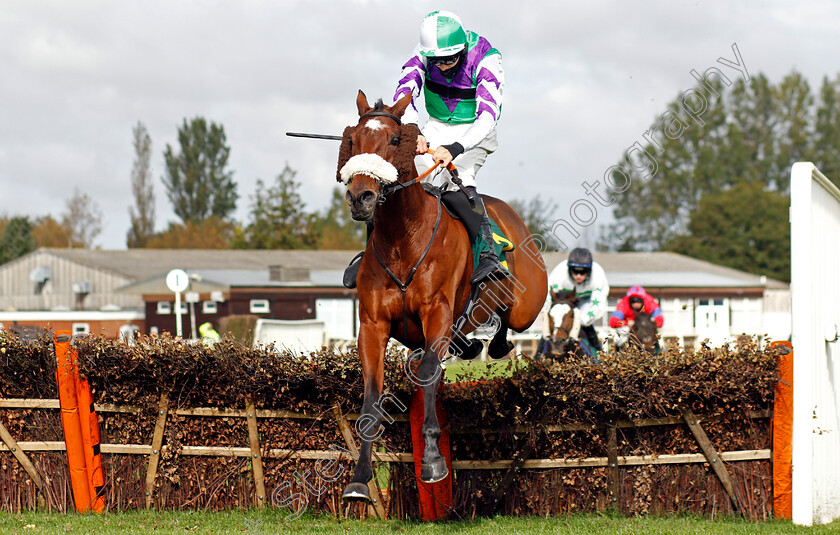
x=276, y=521
x=472, y=370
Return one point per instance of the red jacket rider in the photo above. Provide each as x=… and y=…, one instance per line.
x=637, y=300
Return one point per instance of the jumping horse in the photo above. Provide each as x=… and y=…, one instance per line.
x=413, y=281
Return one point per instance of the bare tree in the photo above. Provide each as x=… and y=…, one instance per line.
x=143, y=212
x=84, y=217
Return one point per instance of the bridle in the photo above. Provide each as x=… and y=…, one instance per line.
x=391, y=188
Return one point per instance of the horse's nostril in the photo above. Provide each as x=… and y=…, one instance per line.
x=366, y=197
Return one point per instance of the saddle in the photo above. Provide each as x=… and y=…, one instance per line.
x=457, y=205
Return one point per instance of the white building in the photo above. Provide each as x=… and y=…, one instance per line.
x=699, y=300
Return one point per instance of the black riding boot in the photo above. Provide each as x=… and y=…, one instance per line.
x=352, y=270
x=489, y=267
x=589, y=332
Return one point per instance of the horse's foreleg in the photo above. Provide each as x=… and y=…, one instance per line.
x=437, y=325
x=373, y=339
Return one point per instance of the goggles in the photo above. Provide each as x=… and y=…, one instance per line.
x=579, y=271
x=634, y=300
x=445, y=61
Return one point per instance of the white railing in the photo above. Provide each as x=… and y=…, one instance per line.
x=815, y=292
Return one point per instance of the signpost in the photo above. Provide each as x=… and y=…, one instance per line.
x=177, y=280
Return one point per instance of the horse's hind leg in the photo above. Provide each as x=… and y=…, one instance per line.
x=500, y=346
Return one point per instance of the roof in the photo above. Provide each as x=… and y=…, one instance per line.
x=668, y=270
x=141, y=264
x=224, y=268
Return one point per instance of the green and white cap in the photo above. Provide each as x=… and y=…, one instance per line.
x=441, y=35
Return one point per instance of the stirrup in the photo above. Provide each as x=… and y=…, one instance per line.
x=352, y=271
x=488, y=268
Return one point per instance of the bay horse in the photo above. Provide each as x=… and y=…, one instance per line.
x=643, y=333
x=413, y=281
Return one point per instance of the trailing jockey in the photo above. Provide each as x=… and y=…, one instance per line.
x=588, y=280
x=461, y=79
x=636, y=301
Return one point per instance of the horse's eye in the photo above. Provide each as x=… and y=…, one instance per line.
x=395, y=140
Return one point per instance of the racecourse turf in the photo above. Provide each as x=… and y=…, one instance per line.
x=254, y=522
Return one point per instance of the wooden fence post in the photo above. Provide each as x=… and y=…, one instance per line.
x=256, y=454
x=612, y=468
x=711, y=456
x=157, y=440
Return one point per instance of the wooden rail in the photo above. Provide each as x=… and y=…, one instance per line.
x=521, y=462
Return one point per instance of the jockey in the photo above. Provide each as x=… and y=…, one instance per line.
x=460, y=77
x=636, y=301
x=588, y=280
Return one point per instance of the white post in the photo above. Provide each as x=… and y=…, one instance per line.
x=815, y=294
x=801, y=290
x=179, y=331
x=177, y=280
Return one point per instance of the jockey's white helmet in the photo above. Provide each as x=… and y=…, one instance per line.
x=441, y=35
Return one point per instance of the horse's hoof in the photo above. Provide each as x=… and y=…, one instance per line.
x=355, y=492
x=473, y=350
x=434, y=471
x=499, y=351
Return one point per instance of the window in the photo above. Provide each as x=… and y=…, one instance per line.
x=81, y=328
x=183, y=307
x=209, y=307
x=260, y=306
x=164, y=307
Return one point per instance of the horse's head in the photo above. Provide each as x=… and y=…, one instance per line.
x=565, y=327
x=376, y=154
x=643, y=332
x=567, y=297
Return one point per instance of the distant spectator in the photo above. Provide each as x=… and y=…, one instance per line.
x=208, y=334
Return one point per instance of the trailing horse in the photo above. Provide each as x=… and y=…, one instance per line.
x=564, y=338
x=643, y=333
x=413, y=280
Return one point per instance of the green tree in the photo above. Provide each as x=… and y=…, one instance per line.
x=744, y=227
x=748, y=132
x=336, y=229
x=196, y=181
x=142, y=214
x=277, y=217
x=827, y=130
x=682, y=160
x=16, y=239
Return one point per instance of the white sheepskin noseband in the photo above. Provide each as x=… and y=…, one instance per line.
x=369, y=164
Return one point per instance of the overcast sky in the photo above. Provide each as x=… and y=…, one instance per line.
x=584, y=81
